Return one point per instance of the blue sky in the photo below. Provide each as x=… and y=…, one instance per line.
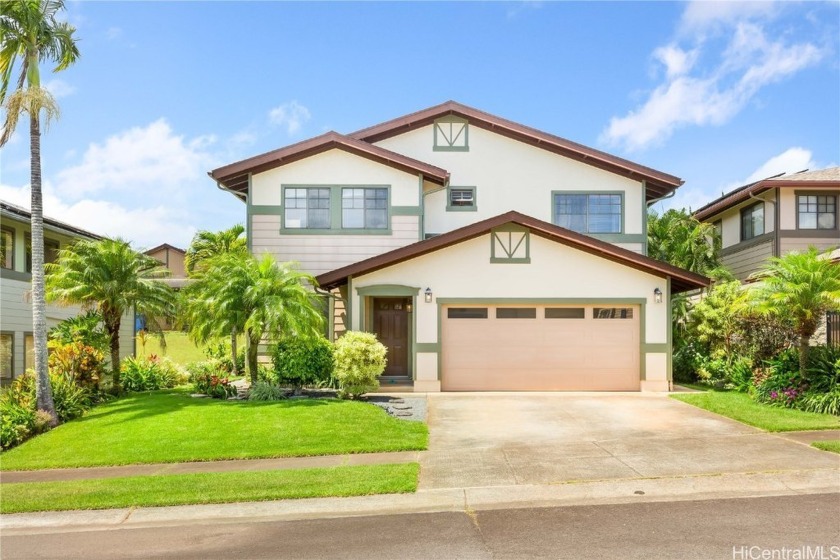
x=717, y=93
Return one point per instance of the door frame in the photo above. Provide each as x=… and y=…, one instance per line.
x=366, y=296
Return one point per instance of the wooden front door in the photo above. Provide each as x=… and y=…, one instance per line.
x=390, y=324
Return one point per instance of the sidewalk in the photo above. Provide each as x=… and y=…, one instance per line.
x=468, y=500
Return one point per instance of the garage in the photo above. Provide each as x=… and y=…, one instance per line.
x=540, y=347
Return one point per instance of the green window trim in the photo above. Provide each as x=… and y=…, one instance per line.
x=461, y=208
x=451, y=134
x=621, y=214
x=10, y=337
x=335, y=211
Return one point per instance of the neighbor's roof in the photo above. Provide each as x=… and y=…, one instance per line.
x=15, y=211
x=235, y=176
x=828, y=178
x=163, y=246
x=681, y=280
x=659, y=184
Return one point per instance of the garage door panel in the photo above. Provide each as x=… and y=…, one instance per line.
x=545, y=354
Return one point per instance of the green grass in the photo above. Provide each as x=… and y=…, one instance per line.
x=208, y=488
x=179, y=348
x=170, y=426
x=830, y=445
x=740, y=407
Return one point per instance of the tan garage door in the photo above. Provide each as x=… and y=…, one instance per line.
x=540, y=348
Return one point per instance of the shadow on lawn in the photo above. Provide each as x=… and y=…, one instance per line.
x=135, y=406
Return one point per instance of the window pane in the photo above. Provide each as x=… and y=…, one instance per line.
x=827, y=221
x=376, y=219
x=353, y=218
x=7, y=243
x=295, y=218
x=28, y=352
x=565, y=313
x=466, y=313
x=807, y=221
x=318, y=219
x=6, y=353
x=588, y=213
x=516, y=313
x=461, y=197
x=612, y=313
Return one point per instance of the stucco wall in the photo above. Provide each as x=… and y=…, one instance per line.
x=731, y=219
x=510, y=175
x=555, y=271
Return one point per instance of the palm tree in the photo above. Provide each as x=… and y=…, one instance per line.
x=207, y=245
x=113, y=278
x=29, y=33
x=261, y=298
x=681, y=240
x=802, y=287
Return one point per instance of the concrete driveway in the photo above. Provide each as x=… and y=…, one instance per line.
x=487, y=439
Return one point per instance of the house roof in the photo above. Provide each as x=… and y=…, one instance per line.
x=163, y=246
x=659, y=184
x=681, y=280
x=15, y=211
x=828, y=178
x=234, y=177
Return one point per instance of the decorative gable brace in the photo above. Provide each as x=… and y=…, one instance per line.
x=510, y=244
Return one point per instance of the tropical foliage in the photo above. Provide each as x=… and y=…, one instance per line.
x=261, y=298
x=359, y=361
x=86, y=328
x=301, y=360
x=31, y=33
x=111, y=277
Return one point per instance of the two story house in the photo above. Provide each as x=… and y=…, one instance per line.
x=486, y=255
x=774, y=216
x=16, y=340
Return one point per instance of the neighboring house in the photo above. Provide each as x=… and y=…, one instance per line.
x=173, y=259
x=774, y=216
x=486, y=255
x=16, y=340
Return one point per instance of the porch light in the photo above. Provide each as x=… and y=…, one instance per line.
x=657, y=295
x=428, y=295
x=408, y=307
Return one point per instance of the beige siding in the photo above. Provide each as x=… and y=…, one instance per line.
x=321, y=253
x=802, y=243
x=749, y=260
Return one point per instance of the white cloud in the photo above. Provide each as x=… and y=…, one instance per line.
x=142, y=157
x=522, y=6
x=712, y=95
x=113, y=33
x=702, y=15
x=59, y=88
x=790, y=161
x=291, y=116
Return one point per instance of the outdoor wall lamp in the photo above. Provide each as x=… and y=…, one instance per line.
x=428, y=295
x=657, y=295
x=408, y=308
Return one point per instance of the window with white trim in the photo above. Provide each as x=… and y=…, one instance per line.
x=306, y=208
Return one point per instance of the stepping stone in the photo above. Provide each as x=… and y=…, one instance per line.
x=396, y=401
x=402, y=413
x=198, y=396
x=401, y=407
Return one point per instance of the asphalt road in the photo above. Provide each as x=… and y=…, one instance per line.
x=668, y=530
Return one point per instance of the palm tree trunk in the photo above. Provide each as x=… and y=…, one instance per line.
x=804, y=347
x=252, y=345
x=43, y=390
x=113, y=326
x=235, y=368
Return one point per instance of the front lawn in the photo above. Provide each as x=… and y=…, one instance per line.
x=170, y=427
x=832, y=445
x=208, y=488
x=739, y=406
x=179, y=348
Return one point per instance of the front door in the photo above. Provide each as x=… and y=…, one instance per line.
x=390, y=324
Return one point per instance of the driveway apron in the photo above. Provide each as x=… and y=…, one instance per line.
x=498, y=439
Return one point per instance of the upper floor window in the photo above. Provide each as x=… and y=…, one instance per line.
x=718, y=225
x=588, y=213
x=461, y=198
x=50, y=251
x=364, y=208
x=307, y=208
x=7, y=248
x=451, y=134
x=817, y=211
x=752, y=221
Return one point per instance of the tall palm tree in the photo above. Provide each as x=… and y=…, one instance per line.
x=30, y=33
x=681, y=240
x=262, y=298
x=207, y=245
x=802, y=287
x=113, y=278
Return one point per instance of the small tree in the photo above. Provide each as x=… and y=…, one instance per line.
x=300, y=361
x=801, y=287
x=716, y=319
x=359, y=360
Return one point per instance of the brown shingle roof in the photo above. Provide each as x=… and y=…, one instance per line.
x=659, y=184
x=681, y=280
x=828, y=178
x=235, y=175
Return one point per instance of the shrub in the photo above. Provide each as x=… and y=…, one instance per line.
x=824, y=368
x=780, y=383
x=87, y=328
x=149, y=374
x=82, y=363
x=686, y=363
x=263, y=391
x=17, y=422
x=825, y=403
x=208, y=379
x=359, y=360
x=300, y=361
x=71, y=400
x=220, y=352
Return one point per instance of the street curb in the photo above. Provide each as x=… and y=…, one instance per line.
x=468, y=500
